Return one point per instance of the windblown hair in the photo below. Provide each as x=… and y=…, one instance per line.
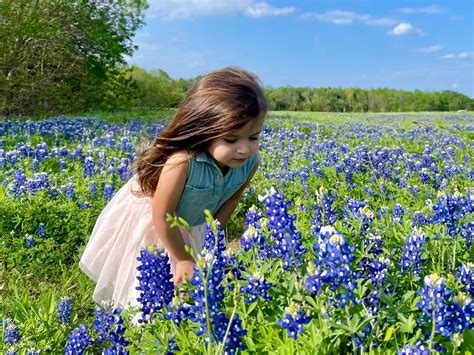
x=220, y=102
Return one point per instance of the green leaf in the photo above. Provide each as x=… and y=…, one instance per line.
x=389, y=334
x=406, y=324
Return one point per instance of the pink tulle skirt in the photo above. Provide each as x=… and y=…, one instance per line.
x=123, y=227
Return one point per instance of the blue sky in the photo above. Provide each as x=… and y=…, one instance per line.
x=326, y=43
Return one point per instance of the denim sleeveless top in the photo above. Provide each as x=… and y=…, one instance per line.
x=207, y=188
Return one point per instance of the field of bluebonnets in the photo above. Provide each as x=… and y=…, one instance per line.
x=354, y=237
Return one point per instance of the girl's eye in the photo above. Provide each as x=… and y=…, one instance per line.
x=230, y=140
x=254, y=138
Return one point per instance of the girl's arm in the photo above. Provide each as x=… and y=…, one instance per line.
x=166, y=199
x=224, y=212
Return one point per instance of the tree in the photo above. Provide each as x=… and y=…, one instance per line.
x=57, y=55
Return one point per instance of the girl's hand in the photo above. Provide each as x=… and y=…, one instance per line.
x=184, y=271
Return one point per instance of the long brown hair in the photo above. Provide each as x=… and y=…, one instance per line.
x=219, y=102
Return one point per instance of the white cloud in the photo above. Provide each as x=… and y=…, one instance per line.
x=430, y=49
x=404, y=29
x=461, y=55
x=340, y=17
x=433, y=9
x=186, y=9
x=262, y=9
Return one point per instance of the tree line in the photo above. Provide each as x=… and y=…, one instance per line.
x=65, y=56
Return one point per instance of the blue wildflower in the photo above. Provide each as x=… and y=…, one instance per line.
x=29, y=241
x=177, y=311
x=108, y=191
x=417, y=349
x=466, y=276
x=78, y=341
x=89, y=167
x=65, y=310
x=412, y=252
x=252, y=236
x=293, y=320
x=11, y=336
x=154, y=276
x=397, y=213
x=92, y=189
x=332, y=266
x=257, y=286
x=287, y=246
x=209, y=293
x=108, y=324
x=41, y=230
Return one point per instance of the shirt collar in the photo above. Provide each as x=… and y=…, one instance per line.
x=205, y=157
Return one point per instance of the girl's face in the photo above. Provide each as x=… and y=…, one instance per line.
x=235, y=148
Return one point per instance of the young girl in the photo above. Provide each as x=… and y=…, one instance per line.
x=203, y=160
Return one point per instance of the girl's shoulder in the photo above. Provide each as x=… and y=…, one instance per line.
x=179, y=157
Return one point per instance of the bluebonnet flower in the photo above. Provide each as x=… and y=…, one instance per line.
x=154, y=276
x=232, y=340
x=78, y=341
x=468, y=233
x=29, y=241
x=417, y=349
x=376, y=266
x=252, y=236
x=41, y=230
x=434, y=305
x=108, y=191
x=257, y=286
x=208, y=278
x=12, y=335
x=84, y=205
x=35, y=165
x=418, y=220
x=397, y=213
x=126, y=145
x=449, y=210
x=41, y=151
x=89, y=167
x=356, y=210
x=65, y=310
x=324, y=213
x=293, y=320
x=102, y=159
x=383, y=211
x=115, y=349
x=448, y=316
x=424, y=176
x=412, y=251
x=124, y=171
x=287, y=246
x=77, y=154
x=332, y=266
x=466, y=277
x=92, y=189
x=53, y=193
x=458, y=316
x=414, y=190
x=209, y=293
x=62, y=164
x=177, y=311
x=108, y=324
x=3, y=159
x=68, y=191
x=17, y=187
x=172, y=346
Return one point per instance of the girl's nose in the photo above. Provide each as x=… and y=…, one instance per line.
x=243, y=149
